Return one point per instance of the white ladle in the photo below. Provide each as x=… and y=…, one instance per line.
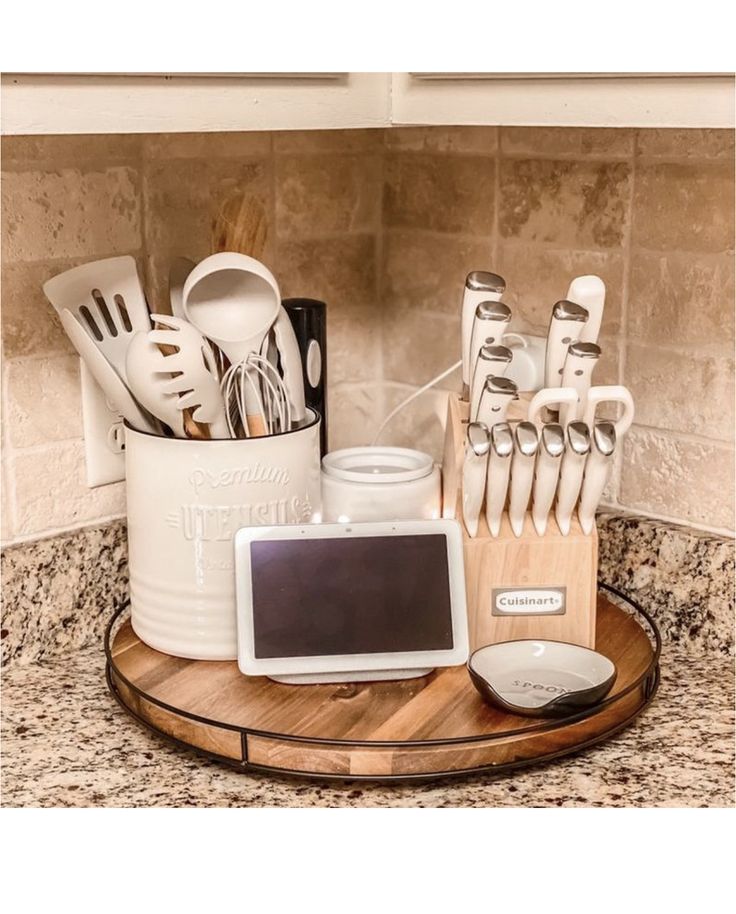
x=234, y=300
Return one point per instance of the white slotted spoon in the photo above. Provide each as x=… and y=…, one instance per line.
x=106, y=297
x=167, y=384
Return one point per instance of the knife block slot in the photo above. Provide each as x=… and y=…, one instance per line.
x=520, y=587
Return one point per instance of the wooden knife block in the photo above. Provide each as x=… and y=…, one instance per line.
x=531, y=563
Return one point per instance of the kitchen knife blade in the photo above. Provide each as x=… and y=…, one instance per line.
x=546, y=473
x=492, y=361
x=475, y=465
x=495, y=399
x=590, y=293
x=577, y=373
x=526, y=443
x=565, y=327
x=479, y=286
x=571, y=473
x=497, y=479
x=595, y=475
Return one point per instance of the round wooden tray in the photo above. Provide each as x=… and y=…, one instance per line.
x=419, y=728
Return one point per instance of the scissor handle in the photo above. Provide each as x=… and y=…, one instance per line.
x=614, y=393
x=549, y=396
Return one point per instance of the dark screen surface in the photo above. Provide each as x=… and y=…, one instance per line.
x=362, y=595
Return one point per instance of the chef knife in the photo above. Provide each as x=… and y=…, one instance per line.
x=492, y=361
x=526, y=443
x=475, y=465
x=546, y=473
x=577, y=373
x=479, y=286
x=495, y=399
x=497, y=480
x=490, y=322
x=571, y=473
x=565, y=327
x=595, y=476
x=590, y=293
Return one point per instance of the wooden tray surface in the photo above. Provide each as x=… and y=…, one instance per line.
x=412, y=728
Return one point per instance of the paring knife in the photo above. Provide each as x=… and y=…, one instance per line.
x=492, y=361
x=526, y=443
x=571, y=473
x=546, y=473
x=479, y=286
x=565, y=327
x=475, y=466
x=491, y=321
x=497, y=481
x=577, y=373
x=590, y=292
x=597, y=468
x=495, y=399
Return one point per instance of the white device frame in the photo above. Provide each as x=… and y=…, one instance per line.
x=351, y=667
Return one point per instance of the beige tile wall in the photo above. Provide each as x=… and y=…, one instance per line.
x=384, y=226
x=650, y=211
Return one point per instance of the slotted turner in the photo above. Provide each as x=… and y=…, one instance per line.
x=107, y=299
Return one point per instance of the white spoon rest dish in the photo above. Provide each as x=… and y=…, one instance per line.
x=541, y=678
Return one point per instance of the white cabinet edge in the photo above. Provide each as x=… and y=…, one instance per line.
x=608, y=100
x=53, y=103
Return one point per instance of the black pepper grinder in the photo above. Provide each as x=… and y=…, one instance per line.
x=309, y=319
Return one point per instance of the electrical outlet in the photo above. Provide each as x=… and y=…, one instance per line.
x=104, y=435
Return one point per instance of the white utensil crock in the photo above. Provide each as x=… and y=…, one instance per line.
x=186, y=500
x=379, y=483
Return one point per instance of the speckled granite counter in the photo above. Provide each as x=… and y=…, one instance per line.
x=67, y=743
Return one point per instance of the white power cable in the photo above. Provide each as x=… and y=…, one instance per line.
x=413, y=396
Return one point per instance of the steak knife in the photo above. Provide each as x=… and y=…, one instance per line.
x=526, y=443
x=492, y=361
x=479, y=286
x=595, y=476
x=546, y=473
x=497, y=481
x=571, y=473
x=475, y=465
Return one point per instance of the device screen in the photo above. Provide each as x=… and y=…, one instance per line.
x=361, y=595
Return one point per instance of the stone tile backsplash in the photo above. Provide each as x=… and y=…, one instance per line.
x=384, y=226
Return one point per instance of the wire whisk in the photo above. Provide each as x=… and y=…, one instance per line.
x=255, y=384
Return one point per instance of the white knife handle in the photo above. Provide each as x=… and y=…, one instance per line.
x=495, y=399
x=475, y=466
x=526, y=444
x=597, y=468
x=549, y=396
x=546, y=474
x=590, y=292
x=479, y=286
x=497, y=481
x=490, y=323
x=577, y=373
x=492, y=361
x=571, y=473
x=565, y=327
x=611, y=393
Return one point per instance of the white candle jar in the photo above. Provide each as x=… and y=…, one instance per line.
x=186, y=499
x=380, y=483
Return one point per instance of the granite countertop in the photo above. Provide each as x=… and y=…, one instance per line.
x=66, y=742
